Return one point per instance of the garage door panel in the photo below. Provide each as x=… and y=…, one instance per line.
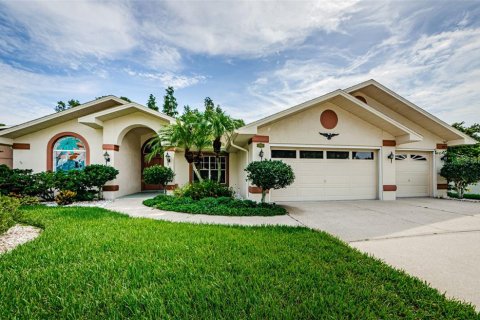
x=413, y=176
x=330, y=179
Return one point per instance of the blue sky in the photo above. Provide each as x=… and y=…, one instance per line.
x=253, y=58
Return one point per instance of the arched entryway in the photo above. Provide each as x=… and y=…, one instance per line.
x=157, y=160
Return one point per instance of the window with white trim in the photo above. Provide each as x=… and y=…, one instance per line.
x=208, y=169
x=418, y=157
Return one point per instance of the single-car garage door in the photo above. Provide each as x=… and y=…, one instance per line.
x=413, y=174
x=328, y=175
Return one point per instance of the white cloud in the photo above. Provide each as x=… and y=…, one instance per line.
x=439, y=72
x=27, y=95
x=249, y=28
x=166, y=79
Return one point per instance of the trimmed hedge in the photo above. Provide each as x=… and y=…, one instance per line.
x=204, y=189
x=222, y=206
x=465, y=196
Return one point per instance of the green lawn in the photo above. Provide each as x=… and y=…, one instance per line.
x=91, y=263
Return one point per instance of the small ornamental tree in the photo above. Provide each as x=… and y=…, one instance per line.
x=461, y=172
x=269, y=174
x=152, y=103
x=98, y=174
x=158, y=175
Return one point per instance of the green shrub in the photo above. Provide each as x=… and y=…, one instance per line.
x=16, y=181
x=9, y=213
x=269, y=174
x=224, y=206
x=97, y=175
x=29, y=201
x=44, y=185
x=204, y=189
x=158, y=175
x=65, y=197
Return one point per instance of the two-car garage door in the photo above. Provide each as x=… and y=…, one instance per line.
x=329, y=175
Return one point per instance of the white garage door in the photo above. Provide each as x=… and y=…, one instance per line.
x=329, y=175
x=413, y=174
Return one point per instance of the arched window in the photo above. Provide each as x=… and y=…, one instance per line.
x=361, y=99
x=69, y=153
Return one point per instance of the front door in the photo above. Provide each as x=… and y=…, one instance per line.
x=157, y=160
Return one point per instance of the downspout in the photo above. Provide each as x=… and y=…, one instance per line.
x=246, y=162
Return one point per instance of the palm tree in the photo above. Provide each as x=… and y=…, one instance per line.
x=190, y=132
x=221, y=126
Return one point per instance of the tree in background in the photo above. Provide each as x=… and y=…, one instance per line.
x=2, y=125
x=152, y=103
x=462, y=163
x=125, y=98
x=170, y=103
x=62, y=106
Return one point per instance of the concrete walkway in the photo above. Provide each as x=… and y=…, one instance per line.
x=435, y=240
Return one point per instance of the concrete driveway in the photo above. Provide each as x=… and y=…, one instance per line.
x=433, y=239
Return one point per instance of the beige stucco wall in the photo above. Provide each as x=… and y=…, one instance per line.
x=181, y=169
x=128, y=163
x=304, y=128
x=36, y=157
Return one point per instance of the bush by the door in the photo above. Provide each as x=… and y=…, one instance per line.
x=158, y=175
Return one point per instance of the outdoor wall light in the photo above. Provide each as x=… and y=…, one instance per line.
x=167, y=156
x=391, y=156
x=106, y=156
x=261, y=154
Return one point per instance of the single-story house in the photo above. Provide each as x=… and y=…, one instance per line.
x=363, y=142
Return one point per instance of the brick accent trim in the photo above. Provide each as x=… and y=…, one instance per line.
x=253, y=189
x=112, y=187
x=389, y=187
x=257, y=138
x=389, y=143
x=21, y=146
x=112, y=147
x=54, y=139
x=171, y=187
x=442, y=186
x=442, y=146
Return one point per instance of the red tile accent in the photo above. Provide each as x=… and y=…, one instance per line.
x=389, y=187
x=264, y=139
x=329, y=119
x=171, y=187
x=389, y=143
x=21, y=146
x=442, y=146
x=253, y=189
x=442, y=186
x=112, y=187
x=113, y=147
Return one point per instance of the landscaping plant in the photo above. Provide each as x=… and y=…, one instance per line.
x=65, y=197
x=97, y=175
x=8, y=212
x=222, y=206
x=461, y=172
x=269, y=174
x=158, y=175
x=204, y=189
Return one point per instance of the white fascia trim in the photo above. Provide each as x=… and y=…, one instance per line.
x=468, y=140
x=414, y=149
x=93, y=118
x=322, y=146
x=59, y=114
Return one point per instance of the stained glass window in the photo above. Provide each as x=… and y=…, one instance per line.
x=69, y=154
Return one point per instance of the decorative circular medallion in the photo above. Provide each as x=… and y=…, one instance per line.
x=328, y=119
